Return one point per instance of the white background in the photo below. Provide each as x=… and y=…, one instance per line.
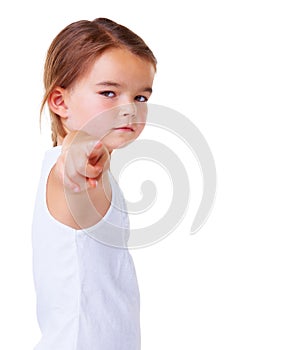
x=219, y=64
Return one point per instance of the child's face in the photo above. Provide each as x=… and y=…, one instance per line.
x=110, y=101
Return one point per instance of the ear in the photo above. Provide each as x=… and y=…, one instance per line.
x=56, y=102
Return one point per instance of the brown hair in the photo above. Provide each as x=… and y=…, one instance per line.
x=74, y=49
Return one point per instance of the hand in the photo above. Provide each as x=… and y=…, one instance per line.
x=82, y=161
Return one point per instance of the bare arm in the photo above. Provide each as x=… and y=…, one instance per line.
x=78, y=188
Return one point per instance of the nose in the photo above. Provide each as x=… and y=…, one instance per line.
x=127, y=110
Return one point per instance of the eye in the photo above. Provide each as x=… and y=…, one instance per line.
x=141, y=98
x=109, y=94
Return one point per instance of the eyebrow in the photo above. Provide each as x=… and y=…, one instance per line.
x=112, y=83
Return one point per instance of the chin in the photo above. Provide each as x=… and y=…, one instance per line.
x=116, y=145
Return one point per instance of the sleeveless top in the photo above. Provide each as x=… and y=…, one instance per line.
x=85, y=281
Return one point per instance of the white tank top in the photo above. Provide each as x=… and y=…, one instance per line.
x=87, y=291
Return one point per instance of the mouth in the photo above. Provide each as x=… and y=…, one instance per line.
x=125, y=128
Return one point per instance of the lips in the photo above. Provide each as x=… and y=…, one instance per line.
x=125, y=128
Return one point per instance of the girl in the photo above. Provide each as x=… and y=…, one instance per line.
x=98, y=77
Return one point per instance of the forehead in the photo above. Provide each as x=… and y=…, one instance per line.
x=122, y=65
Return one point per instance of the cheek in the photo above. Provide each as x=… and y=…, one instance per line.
x=139, y=130
x=89, y=114
x=141, y=116
x=99, y=124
